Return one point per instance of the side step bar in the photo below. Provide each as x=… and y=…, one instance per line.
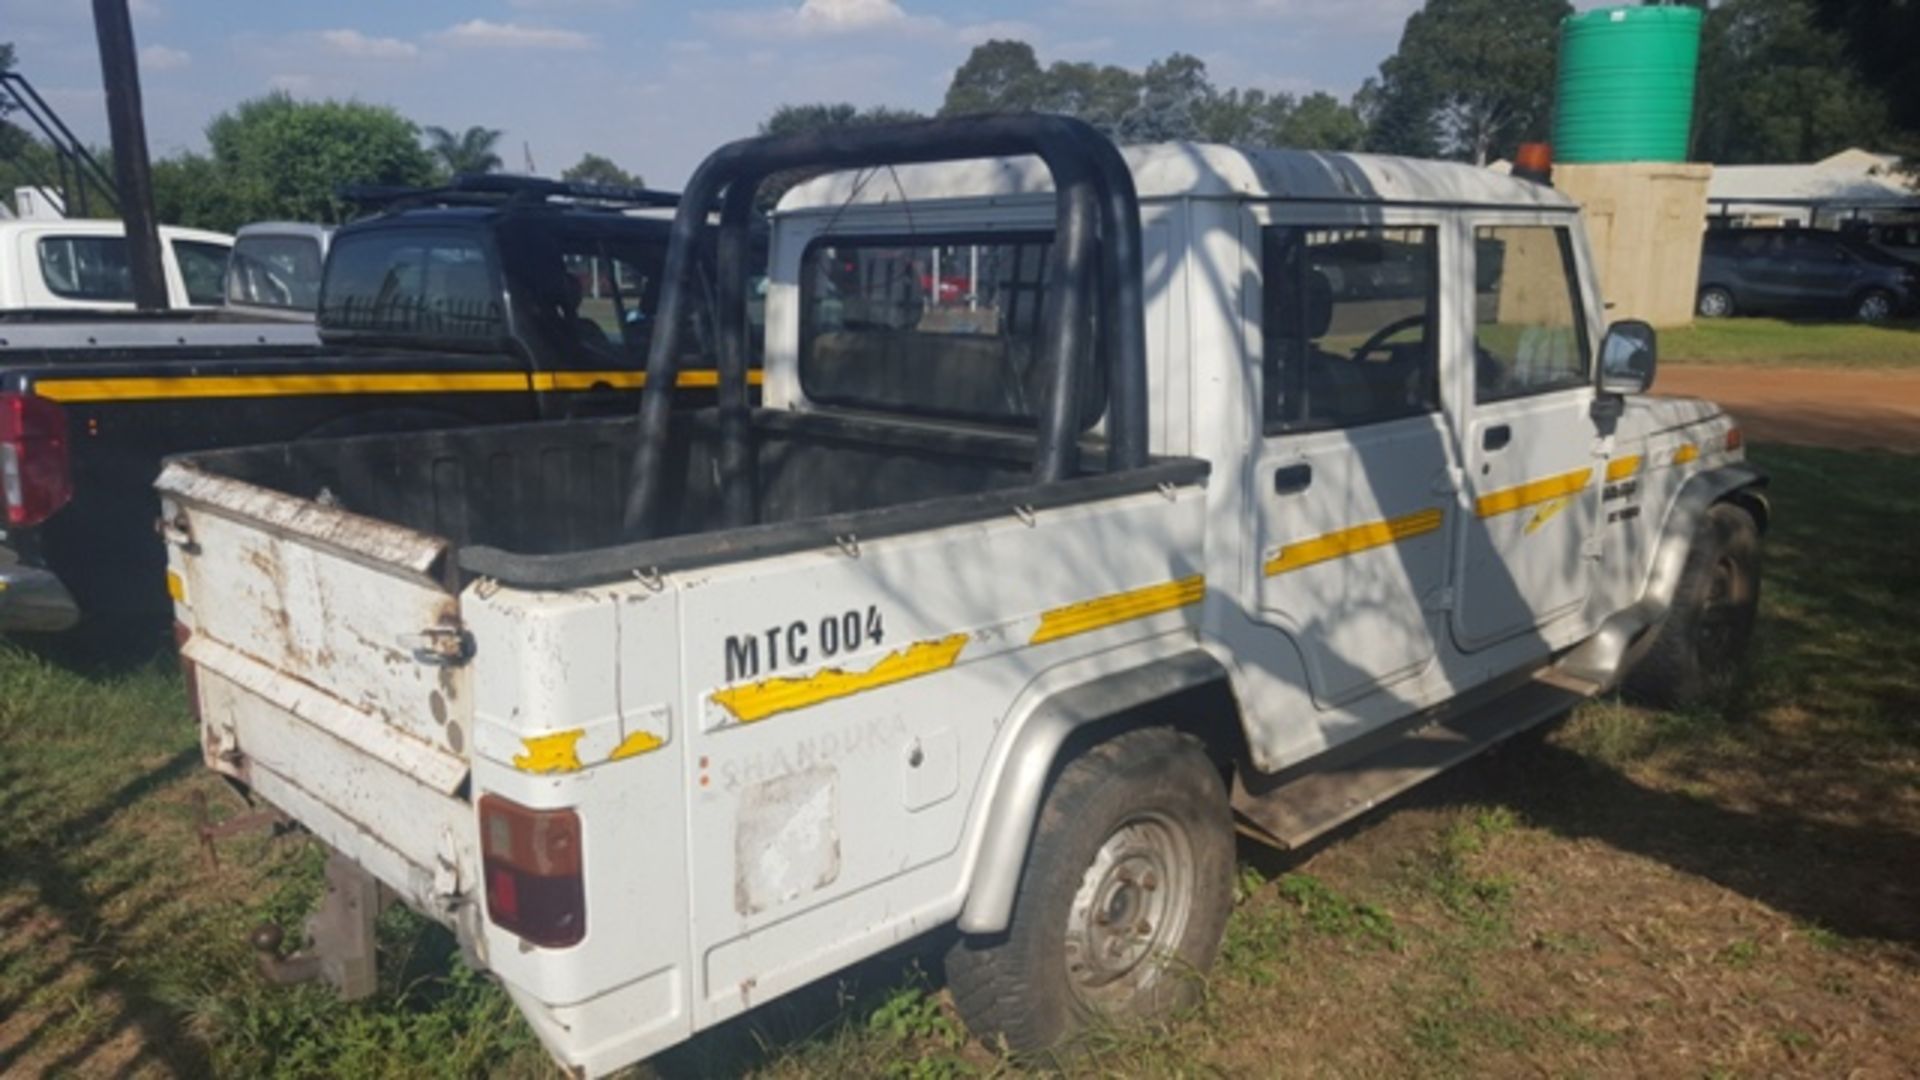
x=1289, y=809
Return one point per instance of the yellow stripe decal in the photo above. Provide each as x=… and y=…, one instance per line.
x=142, y=388
x=640, y=742
x=1622, y=467
x=1105, y=611
x=555, y=753
x=770, y=697
x=1687, y=453
x=1335, y=545
x=1507, y=500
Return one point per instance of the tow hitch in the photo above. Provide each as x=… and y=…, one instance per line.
x=340, y=936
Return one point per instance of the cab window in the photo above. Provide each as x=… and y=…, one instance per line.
x=86, y=267
x=945, y=325
x=1529, y=336
x=1348, y=326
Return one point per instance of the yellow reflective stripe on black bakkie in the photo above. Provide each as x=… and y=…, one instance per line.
x=1507, y=500
x=158, y=388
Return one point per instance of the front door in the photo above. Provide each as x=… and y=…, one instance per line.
x=1529, y=438
x=1349, y=482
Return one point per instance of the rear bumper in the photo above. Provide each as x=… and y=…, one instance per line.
x=32, y=599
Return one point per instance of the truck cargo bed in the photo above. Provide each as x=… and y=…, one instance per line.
x=540, y=504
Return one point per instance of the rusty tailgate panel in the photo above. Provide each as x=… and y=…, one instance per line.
x=329, y=601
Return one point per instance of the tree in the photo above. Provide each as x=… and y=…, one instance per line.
x=594, y=169
x=471, y=151
x=274, y=157
x=1883, y=40
x=794, y=119
x=1470, y=79
x=1172, y=99
x=997, y=76
x=1776, y=86
x=1175, y=95
x=1321, y=121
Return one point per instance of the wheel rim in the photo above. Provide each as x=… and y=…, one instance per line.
x=1130, y=912
x=1874, y=308
x=1714, y=303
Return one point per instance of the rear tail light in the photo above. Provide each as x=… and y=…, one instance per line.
x=35, y=475
x=1735, y=438
x=531, y=859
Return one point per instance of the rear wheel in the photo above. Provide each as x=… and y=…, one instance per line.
x=1126, y=890
x=1697, y=648
x=1874, y=305
x=1714, y=303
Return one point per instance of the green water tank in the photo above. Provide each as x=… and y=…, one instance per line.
x=1626, y=85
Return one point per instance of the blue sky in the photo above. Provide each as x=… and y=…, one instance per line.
x=653, y=85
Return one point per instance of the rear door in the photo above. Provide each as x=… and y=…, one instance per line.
x=1529, y=437
x=1349, y=480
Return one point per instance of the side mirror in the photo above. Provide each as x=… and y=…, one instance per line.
x=1628, y=356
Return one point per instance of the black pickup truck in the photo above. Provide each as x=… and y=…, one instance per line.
x=492, y=300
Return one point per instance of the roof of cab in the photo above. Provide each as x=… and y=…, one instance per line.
x=1200, y=171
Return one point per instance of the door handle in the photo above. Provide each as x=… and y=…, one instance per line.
x=1292, y=479
x=1496, y=437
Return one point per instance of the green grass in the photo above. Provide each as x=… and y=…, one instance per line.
x=1453, y=935
x=1779, y=343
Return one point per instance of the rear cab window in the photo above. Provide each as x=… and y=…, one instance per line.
x=414, y=283
x=947, y=325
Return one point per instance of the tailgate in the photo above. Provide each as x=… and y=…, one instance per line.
x=310, y=623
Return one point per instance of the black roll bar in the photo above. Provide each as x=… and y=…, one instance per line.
x=1094, y=202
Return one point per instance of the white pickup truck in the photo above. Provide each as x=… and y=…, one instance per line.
x=80, y=263
x=1098, y=503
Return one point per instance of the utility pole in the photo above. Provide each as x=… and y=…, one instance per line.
x=120, y=70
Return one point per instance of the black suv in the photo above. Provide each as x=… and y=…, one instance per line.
x=1802, y=271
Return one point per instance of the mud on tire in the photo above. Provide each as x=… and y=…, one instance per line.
x=1123, y=897
x=1695, y=651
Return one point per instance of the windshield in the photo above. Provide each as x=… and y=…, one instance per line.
x=413, y=283
x=275, y=272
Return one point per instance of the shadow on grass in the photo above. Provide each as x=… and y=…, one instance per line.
x=42, y=861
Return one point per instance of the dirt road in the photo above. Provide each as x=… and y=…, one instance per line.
x=1847, y=410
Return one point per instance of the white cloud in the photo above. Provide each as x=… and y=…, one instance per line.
x=1355, y=14
x=834, y=18
x=293, y=84
x=143, y=9
x=482, y=33
x=358, y=45
x=163, y=58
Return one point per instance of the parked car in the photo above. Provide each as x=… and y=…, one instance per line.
x=995, y=629
x=444, y=309
x=81, y=264
x=1800, y=272
x=274, y=268
x=1899, y=239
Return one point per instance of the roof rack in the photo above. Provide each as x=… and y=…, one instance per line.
x=496, y=189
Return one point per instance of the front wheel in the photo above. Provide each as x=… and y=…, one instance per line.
x=1124, y=895
x=1696, y=649
x=1714, y=303
x=1875, y=305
